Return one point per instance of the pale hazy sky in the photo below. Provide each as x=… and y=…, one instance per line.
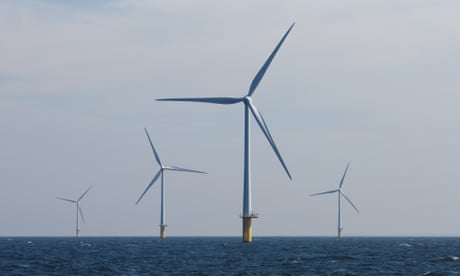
x=371, y=82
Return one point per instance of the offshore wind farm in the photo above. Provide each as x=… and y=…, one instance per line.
x=374, y=82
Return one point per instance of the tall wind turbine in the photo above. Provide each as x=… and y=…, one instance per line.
x=163, y=168
x=340, y=193
x=249, y=107
x=77, y=230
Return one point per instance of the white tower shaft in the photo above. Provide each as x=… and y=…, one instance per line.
x=76, y=224
x=247, y=206
x=339, y=218
x=163, y=209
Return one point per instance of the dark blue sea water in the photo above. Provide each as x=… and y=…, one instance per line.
x=228, y=255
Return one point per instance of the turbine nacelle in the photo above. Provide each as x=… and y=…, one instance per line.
x=247, y=100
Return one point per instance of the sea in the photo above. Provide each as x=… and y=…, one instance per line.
x=229, y=256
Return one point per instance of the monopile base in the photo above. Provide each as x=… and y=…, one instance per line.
x=163, y=231
x=247, y=227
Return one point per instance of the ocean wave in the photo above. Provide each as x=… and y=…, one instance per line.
x=447, y=259
x=432, y=273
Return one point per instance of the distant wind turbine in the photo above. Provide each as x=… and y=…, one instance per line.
x=340, y=193
x=155, y=178
x=249, y=107
x=77, y=230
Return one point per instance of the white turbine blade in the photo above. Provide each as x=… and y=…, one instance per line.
x=69, y=200
x=84, y=193
x=349, y=201
x=323, y=193
x=263, y=69
x=343, y=177
x=213, y=100
x=150, y=185
x=174, y=168
x=261, y=122
x=81, y=214
x=265, y=125
x=153, y=149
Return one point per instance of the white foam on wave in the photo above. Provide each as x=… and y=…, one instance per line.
x=83, y=244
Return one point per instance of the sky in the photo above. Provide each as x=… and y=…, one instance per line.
x=373, y=83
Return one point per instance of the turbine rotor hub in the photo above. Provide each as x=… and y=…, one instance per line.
x=247, y=100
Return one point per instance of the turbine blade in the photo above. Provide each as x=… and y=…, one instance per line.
x=349, y=201
x=323, y=193
x=69, y=200
x=261, y=122
x=174, y=168
x=153, y=148
x=213, y=100
x=343, y=177
x=84, y=193
x=81, y=214
x=263, y=69
x=150, y=185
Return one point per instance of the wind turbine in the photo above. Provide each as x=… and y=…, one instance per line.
x=155, y=178
x=249, y=107
x=340, y=193
x=77, y=230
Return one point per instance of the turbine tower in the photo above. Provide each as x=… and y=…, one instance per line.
x=249, y=107
x=340, y=193
x=77, y=230
x=155, y=178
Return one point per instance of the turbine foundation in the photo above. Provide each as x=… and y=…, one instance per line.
x=247, y=227
x=163, y=231
x=339, y=233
